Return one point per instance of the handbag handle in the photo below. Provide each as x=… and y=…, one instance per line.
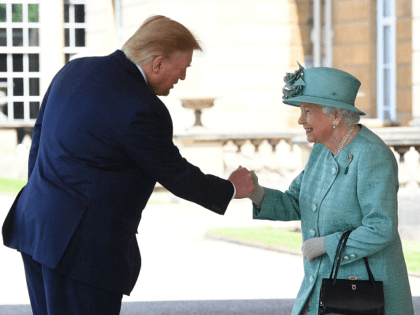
x=337, y=260
x=338, y=254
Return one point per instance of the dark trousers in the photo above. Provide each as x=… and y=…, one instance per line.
x=53, y=294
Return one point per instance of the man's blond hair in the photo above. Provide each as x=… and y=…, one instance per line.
x=159, y=36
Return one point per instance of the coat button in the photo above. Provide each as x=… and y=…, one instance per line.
x=333, y=171
x=353, y=256
x=312, y=233
x=314, y=207
x=311, y=278
x=346, y=258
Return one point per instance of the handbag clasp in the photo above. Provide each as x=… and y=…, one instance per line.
x=352, y=278
x=353, y=286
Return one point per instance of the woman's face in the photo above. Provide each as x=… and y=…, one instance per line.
x=317, y=124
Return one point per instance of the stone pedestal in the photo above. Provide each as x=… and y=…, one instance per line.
x=8, y=141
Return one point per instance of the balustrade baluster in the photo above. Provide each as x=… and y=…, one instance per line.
x=239, y=143
x=403, y=169
x=274, y=142
x=257, y=143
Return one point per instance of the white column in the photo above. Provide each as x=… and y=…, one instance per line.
x=416, y=62
x=316, y=35
x=328, y=34
x=51, y=21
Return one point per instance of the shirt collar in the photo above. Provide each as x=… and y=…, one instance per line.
x=142, y=72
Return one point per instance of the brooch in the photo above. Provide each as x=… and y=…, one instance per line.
x=348, y=164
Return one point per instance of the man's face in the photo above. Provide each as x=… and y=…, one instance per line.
x=172, y=70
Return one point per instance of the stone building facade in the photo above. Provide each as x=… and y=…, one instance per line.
x=248, y=46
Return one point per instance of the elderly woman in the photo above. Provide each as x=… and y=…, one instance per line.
x=349, y=183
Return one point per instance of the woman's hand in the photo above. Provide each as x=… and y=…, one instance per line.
x=313, y=248
x=257, y=196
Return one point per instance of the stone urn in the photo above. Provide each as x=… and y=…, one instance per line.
x=198, y=105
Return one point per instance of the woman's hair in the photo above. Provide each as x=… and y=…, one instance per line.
x=159, y=36
x=350, y=118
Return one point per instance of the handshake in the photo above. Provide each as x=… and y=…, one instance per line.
x=246, y=185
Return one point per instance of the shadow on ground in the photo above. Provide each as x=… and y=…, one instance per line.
x=228, y=307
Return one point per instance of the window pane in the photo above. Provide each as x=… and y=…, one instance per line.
x=33, y=110
x=17, y=13
x=17, y=86
x=33, y=63
x=386, y=8
x=33, y=13
x=66, y=37
x=33, y=37
x=3, y=63
x=4, y=90
x=17, y=62
x=68, y=57
x=17, y=37
x=387, y=88
x=3, y=37
x=79, y=13
x=80, y=37
x=66, y=13
x=18, y=110
x=2, y=13
x=34, y=86
x=387, y=44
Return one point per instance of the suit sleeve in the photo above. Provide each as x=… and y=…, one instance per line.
x=36, y=137
x=377, y=187
x=149, y=142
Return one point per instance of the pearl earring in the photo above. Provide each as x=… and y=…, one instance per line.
x=333, y=126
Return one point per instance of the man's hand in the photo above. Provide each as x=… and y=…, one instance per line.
x=242, y=180
x=313, y=248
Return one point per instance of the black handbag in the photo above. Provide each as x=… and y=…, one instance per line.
x=355, y=297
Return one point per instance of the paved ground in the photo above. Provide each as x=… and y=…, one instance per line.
x=185, y=273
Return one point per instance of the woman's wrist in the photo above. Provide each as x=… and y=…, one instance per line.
x=257, y=196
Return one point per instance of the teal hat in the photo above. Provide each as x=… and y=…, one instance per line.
x=322, y=86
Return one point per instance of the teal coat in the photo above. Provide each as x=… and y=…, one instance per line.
x=329, y=202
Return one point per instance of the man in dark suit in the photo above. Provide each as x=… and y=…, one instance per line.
x=101, y=142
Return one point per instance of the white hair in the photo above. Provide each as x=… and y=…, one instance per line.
x=350, y=118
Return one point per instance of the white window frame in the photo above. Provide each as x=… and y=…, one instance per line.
x=72, y=26
x=10, y=50
x=386, y=88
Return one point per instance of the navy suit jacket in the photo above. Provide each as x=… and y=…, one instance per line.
x=101, y=142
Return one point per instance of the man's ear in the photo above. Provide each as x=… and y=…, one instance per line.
x=157, y=64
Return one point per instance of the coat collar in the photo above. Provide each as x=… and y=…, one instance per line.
x=130, y=67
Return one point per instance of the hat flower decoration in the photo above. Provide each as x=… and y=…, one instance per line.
x=294, y=83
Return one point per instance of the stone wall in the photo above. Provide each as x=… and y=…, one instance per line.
x=416, y=61
x=248, y=47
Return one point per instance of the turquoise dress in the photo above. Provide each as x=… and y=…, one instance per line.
x=331, y=196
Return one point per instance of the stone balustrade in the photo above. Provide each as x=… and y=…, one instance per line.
x=279, y=157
